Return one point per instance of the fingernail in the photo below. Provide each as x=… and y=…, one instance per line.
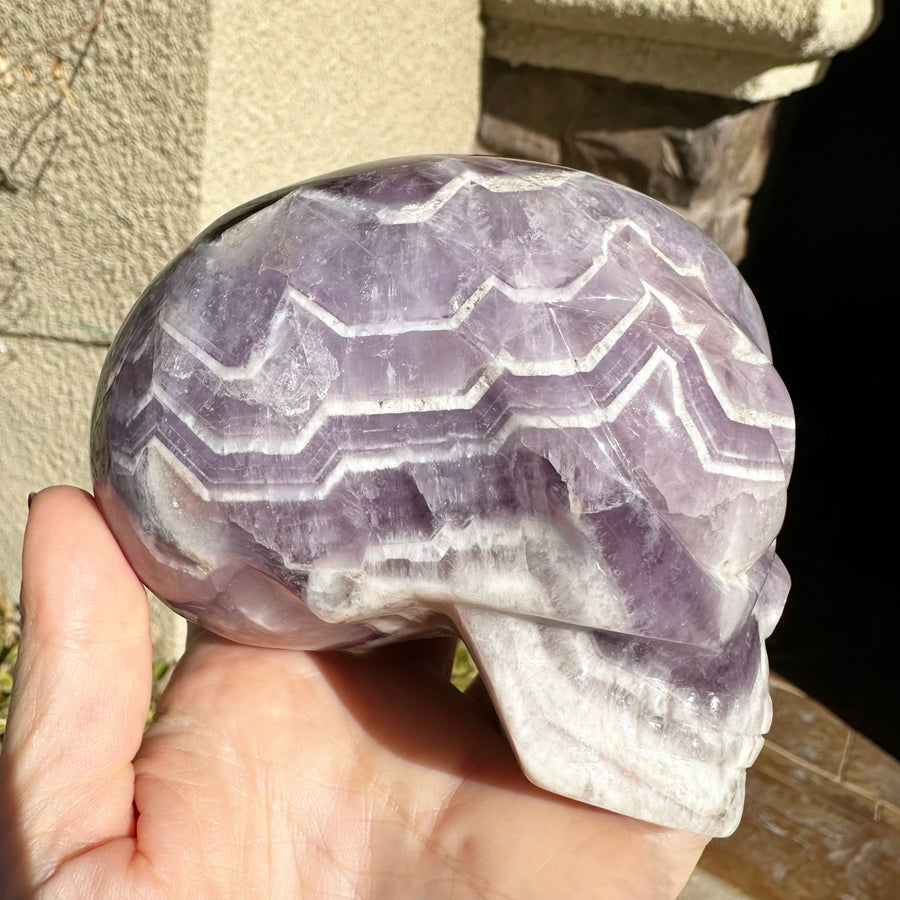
x=30, y=498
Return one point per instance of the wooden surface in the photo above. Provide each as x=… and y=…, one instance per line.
x=821, y=819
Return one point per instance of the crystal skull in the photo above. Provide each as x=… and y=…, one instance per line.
x=489, y=396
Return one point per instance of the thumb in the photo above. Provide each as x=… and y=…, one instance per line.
x=81, y=691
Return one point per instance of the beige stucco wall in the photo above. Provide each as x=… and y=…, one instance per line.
x=103, y=152
x=316, y=85
x=164, y=116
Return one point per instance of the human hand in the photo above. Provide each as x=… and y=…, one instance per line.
x=270, y=773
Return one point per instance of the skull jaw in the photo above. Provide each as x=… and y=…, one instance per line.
x=587, y=727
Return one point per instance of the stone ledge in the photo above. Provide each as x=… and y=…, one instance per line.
x=755, y=51
x=704, y=156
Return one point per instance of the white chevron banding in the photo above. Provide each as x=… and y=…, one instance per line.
x=266, y=348
x=609, y=413
x=466, y=400
x=503, y=363
x=369, y=461
x=126, y=359
x=565, y=294
x=244, y=372
x=572, y=364
x=749, y=354
x=140, y=404
x=498, y=184
x=532, y=296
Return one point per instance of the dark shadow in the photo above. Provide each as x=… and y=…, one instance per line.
x=15, y=876
x=821, y=262
x=432, y=723
x=51, y=117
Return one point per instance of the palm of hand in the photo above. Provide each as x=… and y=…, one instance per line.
x=271, y=773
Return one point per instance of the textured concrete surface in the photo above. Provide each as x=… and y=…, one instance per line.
x=754, y=51
x=100, y=142
x=104, y=152
x=315, y=85
x=121, y=137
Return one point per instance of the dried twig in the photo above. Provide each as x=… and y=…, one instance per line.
x=54, y=42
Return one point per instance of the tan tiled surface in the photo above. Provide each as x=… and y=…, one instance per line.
x=821, y=819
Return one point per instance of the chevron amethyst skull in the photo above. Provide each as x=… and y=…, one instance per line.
x=473, y=394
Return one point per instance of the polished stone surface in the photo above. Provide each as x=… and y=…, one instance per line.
x=510, y=399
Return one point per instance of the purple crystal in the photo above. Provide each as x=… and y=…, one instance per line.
x=509, y=399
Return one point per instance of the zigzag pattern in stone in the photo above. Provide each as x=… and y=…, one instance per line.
x=508, y=398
